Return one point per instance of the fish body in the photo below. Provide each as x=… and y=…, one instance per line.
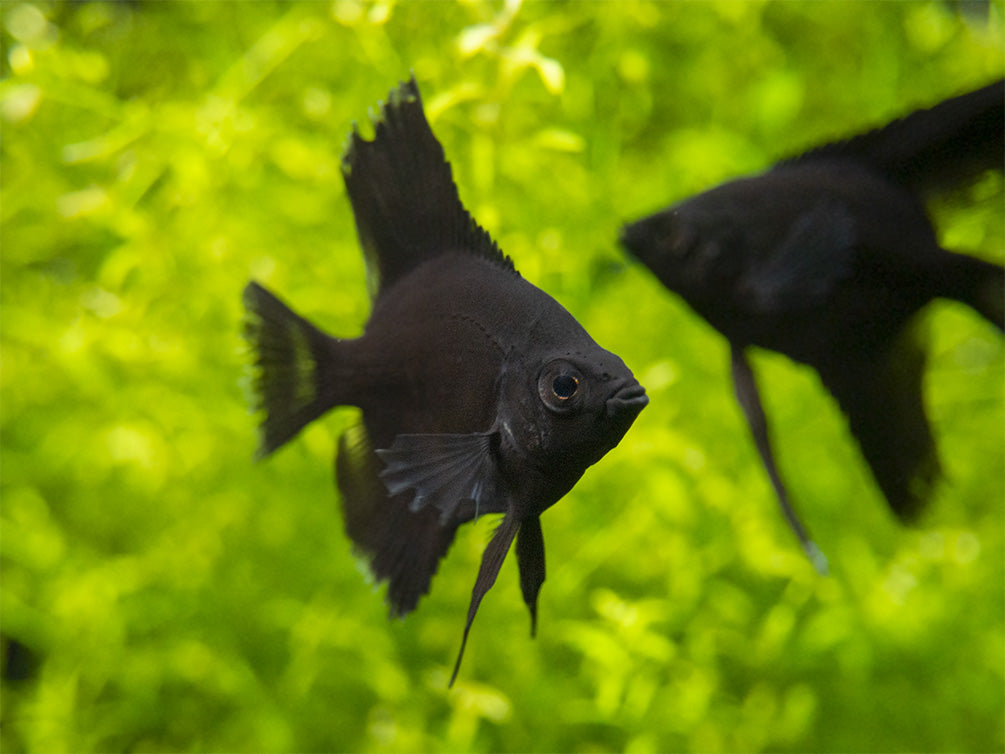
x=785, y=260
x=826, y=257
x=479, y=393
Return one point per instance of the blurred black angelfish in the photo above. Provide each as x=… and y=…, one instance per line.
x=825, y=258
x=479, y=392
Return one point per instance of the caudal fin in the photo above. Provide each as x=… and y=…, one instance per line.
x=292, y=382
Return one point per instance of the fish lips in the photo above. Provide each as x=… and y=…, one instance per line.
x=626, y=403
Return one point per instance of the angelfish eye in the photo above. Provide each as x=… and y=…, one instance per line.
x=564, y=386
x=561, y=387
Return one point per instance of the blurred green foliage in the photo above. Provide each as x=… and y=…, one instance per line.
x=162, y=592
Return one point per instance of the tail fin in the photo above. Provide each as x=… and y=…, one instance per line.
x=292, y=383
x=935, y=149
x=976, y=283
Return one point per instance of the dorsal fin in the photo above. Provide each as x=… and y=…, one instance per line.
x=932, y=149
x=403, y=196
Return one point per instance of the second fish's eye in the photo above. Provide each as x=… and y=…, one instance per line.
x=564, y=386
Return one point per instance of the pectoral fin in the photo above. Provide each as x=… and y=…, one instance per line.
x=817, y=252
x=444, y=470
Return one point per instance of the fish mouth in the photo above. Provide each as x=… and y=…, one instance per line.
x=628, y=401
x=632, y=236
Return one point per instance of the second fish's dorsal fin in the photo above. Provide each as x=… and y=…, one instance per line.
x=403, y=196
x=932, y=149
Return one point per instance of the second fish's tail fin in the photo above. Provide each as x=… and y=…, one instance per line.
x=292, y=382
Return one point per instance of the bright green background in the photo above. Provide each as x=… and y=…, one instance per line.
x=176, y=596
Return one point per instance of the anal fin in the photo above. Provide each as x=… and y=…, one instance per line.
x=882, y=398
x=404, y=547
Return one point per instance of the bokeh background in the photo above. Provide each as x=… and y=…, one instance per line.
x=162, y=592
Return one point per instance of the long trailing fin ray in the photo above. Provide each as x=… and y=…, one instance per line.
x=530, y=559
x=750, y=401
x=292, y=380
x=492, y=560
x=403, y=196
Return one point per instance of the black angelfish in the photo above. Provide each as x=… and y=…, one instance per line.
x=479, y=392
x=825, y=258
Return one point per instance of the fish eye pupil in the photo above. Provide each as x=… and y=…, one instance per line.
x=565, y=386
